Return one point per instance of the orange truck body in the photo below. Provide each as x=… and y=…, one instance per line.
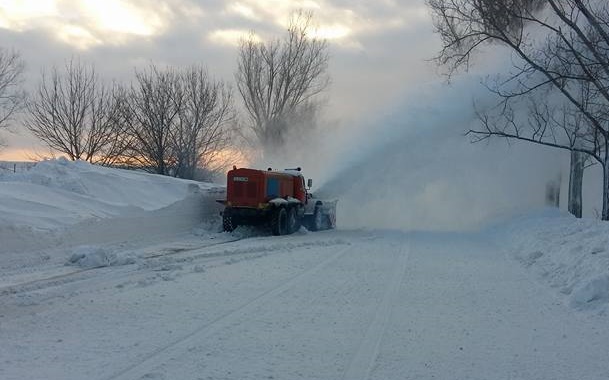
x=277, y=198
x=255, y=188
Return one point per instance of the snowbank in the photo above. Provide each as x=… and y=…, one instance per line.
x=570, y=255
x=96, y=257
x=65, y=203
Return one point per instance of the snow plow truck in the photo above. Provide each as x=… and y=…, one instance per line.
x=279, y=199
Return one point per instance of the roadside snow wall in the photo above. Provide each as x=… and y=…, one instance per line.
x=62, y=203
x=568, y=254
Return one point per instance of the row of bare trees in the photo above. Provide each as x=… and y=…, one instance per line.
x=174, y=121
x=168, y=121
x=557, y=90
x=177, y=121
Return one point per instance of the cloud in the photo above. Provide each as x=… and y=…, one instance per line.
x=232, y=37
x=341, y=22
x=116, y=16
x=243, y=10
x=332, y=32
x=77, y=36
x=86, y=24
x=20, y=15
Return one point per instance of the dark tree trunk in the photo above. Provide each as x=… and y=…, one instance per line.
x=605, y=214
x=576, y=176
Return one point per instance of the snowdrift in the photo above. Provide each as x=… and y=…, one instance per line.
x=63, y=203
x=568, y=254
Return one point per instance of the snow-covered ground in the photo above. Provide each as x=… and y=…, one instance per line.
x=111, y=274
x=569, y=255
x=59, y=203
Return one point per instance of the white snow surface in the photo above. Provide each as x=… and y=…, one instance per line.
x=63, y=203
x=110, y=274
x=569, y=255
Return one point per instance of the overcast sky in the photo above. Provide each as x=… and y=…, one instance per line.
x=379, y=49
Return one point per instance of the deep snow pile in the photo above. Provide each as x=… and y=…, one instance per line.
x=63, y=203
x=568, y=254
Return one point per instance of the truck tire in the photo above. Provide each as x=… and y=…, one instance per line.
x=228, y=222
x=293, y=222
x=317, y=220
x=279, y=222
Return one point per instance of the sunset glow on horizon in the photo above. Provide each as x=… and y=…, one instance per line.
x=19, y=154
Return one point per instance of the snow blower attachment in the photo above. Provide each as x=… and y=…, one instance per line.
x=280, y=199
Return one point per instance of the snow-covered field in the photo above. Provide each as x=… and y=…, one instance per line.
x=111, y=274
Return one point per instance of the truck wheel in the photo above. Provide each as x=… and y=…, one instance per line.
x=293, y=223
x=228, y=222
x=279, y=222
x=317, y=222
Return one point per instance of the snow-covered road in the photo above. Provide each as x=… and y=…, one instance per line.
x=330, y=305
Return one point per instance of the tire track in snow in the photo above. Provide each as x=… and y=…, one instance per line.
x=73, y=275
x=74, y=280
x=175, y=251
x=166, y=353
x=363, y=361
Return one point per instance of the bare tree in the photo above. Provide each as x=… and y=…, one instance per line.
x=11, y=94
x=150, y=112
x=276, y=78
x=559, y=46
x=74, y=113
x=178, y=121
x=118, y=141
x=205, y=123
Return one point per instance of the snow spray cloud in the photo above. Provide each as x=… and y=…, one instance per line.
x=415, y=169
x=410, y=166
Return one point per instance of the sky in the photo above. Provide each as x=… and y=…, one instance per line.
x=379, y=50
